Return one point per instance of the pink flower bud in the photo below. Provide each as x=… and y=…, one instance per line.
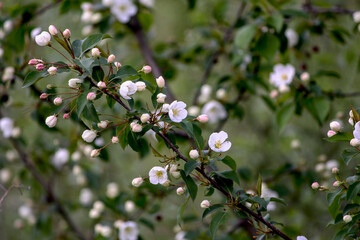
x=35, y=61
x=117, y=65
x=53, y=30
x=203, y=118
x=111, y=58
x=115, y=139
x=146, y=69
x=94, y=153
x=66, y=115
x=331, y=133
x=44, y=96
x=51, y=121
x=160, y=81
x=335, y=126
x=355, y=142
x=57, y=101
x=315, y=185
x=205, y=204
x=336, y=184
x=274, y=94
x=335, y=170
x=40, y=67
x=136, y=127
x=101, y=85
x=91, y=96
x=52, y=70
x=180, y=191
x=95, y=52
x=136, y=182
x=67, y=34
x=102, y=124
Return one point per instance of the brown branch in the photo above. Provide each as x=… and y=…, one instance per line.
x=7, y=191
x=146, y=51
x=308, y=7
x=217, y=53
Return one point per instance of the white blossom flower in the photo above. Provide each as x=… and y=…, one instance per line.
x=218, y=143
x=356, y=131
x=158, y=175
x=5, y=175
x=301, y=238
x=267, y=193
x=128, y=231
x=127, y=89
x=129, y=206
x=147, y=3
x=194, y=110
x=6, y=126
x=35, y=32
x=43, y=39
x=205, y=204
x=88, y=135
x=112, y=190
x=356, y=16
x=86, y=196
x=73, y=82
x=123, y=10
x=60, y=158
x=282, y=75
x=292, y=37
x=177, y=111
x=215, y=111
x=141, y=86
x=180, y=236
x=9, y=73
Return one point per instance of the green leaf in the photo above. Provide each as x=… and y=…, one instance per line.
x=97, y=73
x=284, y=114
x=333, y=199
x=181, y=211
x=190, y=166
x=123, y=137
x=90, y=113
x=217, y=220
x=279, y=200
x=126, y=71
x=244, y=35
x=340, y=137
x=193, y=132
x=230, y=162
x=81, y=102
x=277, y=21
x=147, y=223
x=318, y=107
x=267, y=46
x=77, y=47
x=349, y=154
x=156, y=153
x=33, y=77
x=211, y=209
x=353, y=190
x=229, y=175
x=92, y=40
x=190, y=185
x=259, y=185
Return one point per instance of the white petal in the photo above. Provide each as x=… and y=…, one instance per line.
x=222, y=136
x=225, y=146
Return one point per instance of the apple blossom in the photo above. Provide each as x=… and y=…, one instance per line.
x=347, y=218
x=194, y=154
x=305, y=76
x=60, y=158
x=135, y=127
x=215, y=111
x=331, y=133
x=34, y=61
x=40, y=67
x=145, y=118
x=205, y=204
x=91, y=96
x=53, y=30
x=129, y=206
x=127, y=89
x=44, y=96
x=292, y=37
x=117, y=65
x=128, y=231
x=66, y=33
x=96, y=18
x=356, y=16
x=114, y=139
x=9, y=74
x=136, y=182
x=66, y=115
x=58, y=101
x=101, y=85
x=95, y=153
x=111, y=58
x=88, y=136
x=147, y=3
x=355, y=142
x=177, y=111
x=335, y=170
x=43, y=39
x=94, y=213
x=180, y=191
x=165, y=108
x=51, y=121
x=140, y=85
x=356, y=131
x=95, y=52
x=218, y=143
x=193, y=110
x=112, y=190
x=157, y=175
x=335, y=126
x=160, y=81
x=315, y=185
x=160, y=98
x=102, y=124
x=203, y=118
x=6, y=126
x=221, y=94
x=35, y=32
x=301, y=238
x=146, y=69
x=282, y=75
x=52, y=70
x=336, y=184
x=123, y=10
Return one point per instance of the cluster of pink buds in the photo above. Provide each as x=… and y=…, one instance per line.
x=335, y=127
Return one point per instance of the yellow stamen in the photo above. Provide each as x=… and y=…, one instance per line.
x=175, y=112
x=218, y=144
x=159, y=173
x=284, y=77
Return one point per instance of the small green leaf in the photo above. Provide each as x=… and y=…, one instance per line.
x=181, y=211
x=126, y=71
x=33, y=77
x=123, y=137
x=319, y=108
x=92, y=40
x=353, y=190
x=279, y=200
x=211, y=209
x=230, y=162
x=76, y=45
x=190, y=185
x=348, y=154
x=81, y=102
x=229, y=175
x=190, y=166
x=267, y=46
x=284, y=114
x=333, y=199
x=244, y=35
x=340, y=137
x=217, y=220
x=277, y=21
x=259, y=185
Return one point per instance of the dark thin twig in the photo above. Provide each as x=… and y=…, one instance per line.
x=217, y=53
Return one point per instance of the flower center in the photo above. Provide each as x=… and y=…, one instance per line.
x=123, y=8
x=159, y=173
x=218, y=144
x=284, y=77
x=175, y=112
x=128, y=229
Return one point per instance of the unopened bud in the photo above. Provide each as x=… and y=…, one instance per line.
x=44, y=96
x=331, y=133
x=136, y=182
x=180, y=191
x=94, y=153
x=160, y=81
x=67, y=34
x=167, y=183
x=51, y=121
x=194, y=154
x=40, y=67
x=351, y=120
x=52, y=70
x=160, y=98
x=34, y=61
x=111, y=58
x=91, y=96
x=102, y=124
x=205, y=204
x=335, y=126
x=145, y=118
x=221, y=94
x=203, y=118
x=335, y=170
x=140, y=85
x=101, y=85
x=57, y=101
x=146, y=69
x=129, y=206
x=114, y=139
x=347, y=218
x=274, y=94
x=305, y=76
x=175, y=174
x=355, y=142
x=117, y=65
x=315, y=185
x=53, y=30
x=136, y=127
x=336, y=184
x=95, y=52
x=66, y=115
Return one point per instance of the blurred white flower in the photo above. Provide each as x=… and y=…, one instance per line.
x=123, y=10
x=158, y=175
x=218, y=143
x=35, y=32
x=267, y=193
x=356, y=16
x=292, y=37
x=127, y=89
x=332, y=164
x=147, y=3
x=129, y=206
x=180, y=236
x=128, y=231
x=301, y=238
x=356, y=131
x=282, y=75
x=6, y=126
x=43, y=39
x=5, y=175
x=177, y=111
x=9, y=73
x=112, y=190
x=215, y=111
x=86, y=196
x=60, y=158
